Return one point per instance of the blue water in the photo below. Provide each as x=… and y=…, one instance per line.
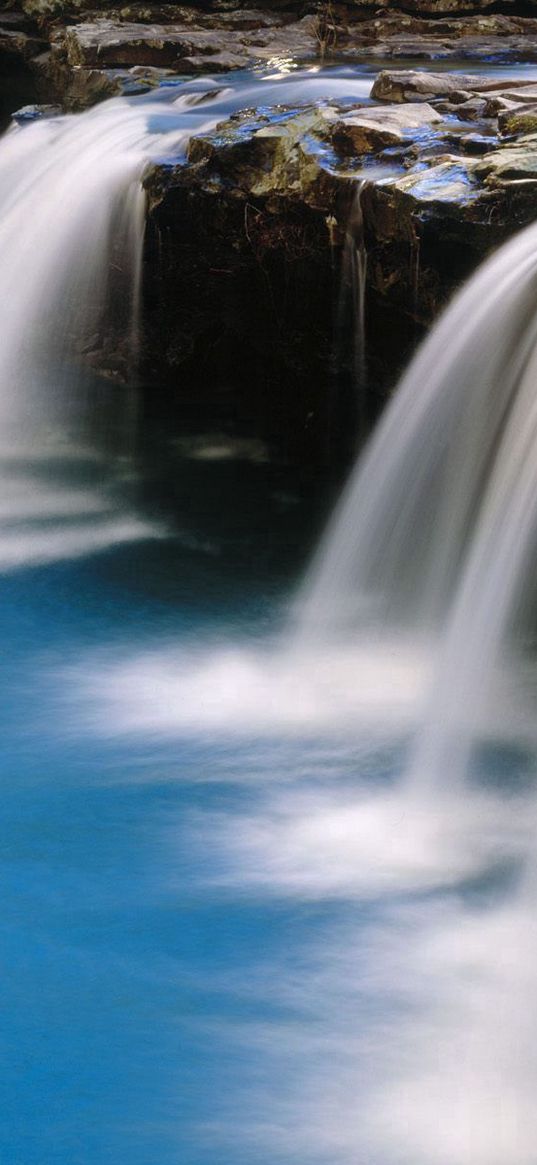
x=118, y=964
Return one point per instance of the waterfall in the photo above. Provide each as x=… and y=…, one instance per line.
x=413, y=1042
x=395, y=548
x=353, y=296
x=433, y=539
x=436, y=535
x=72, y=213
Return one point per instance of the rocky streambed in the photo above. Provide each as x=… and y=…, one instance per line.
x=79, y=50
x=298, y=251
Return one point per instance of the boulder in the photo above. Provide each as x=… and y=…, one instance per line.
x=19, y=44
x=477, y=143
x=519, y=121
x=412, y=85
x=473, y=109
x=371, y=130
x=511, y=163
x=473, y=38
x=103, y=43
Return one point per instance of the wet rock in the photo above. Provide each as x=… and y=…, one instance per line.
x=497, y=104
x=435, y=48
x=291, y=159
x=514, y=106
x=245, y=236
x=510, y=163
x=450, y=185
x=519, y=95
x=88, y=86
x=477, y=9
x=428, y=231
x=253, y=226
x=413, y=85
x=518, y=121
x=31, y=113
x=474, y=109
x=423, y=8
x=22, y=45
x=473, y=38
x=103, y=43
x=477, y=143
x=372, y=130
x=192, y=38
x=41, y=9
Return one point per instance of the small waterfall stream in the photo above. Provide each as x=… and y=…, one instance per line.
x=352, y=295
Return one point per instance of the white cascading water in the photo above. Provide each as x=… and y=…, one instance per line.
x=437, y=533
x=72, y=212
x=394, y=552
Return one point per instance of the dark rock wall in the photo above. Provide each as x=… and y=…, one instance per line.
x=240, y=317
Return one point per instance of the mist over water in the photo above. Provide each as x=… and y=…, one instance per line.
x=344, y=803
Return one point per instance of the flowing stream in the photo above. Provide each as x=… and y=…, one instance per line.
x=269, y=885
